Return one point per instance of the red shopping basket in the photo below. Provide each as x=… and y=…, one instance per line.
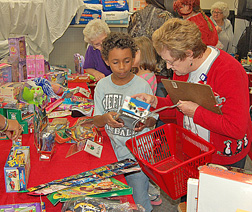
x=170, y=155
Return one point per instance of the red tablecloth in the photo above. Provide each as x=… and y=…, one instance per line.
x=59, y=167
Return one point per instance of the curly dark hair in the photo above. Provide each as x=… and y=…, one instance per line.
x=118, y=40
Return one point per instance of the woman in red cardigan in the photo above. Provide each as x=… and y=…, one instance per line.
x=179, y=43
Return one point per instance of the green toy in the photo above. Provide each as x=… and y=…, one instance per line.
x=35, y=95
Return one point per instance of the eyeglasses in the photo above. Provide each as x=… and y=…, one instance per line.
x=217, y=12
x=171, y=63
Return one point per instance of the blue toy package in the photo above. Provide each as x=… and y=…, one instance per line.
x=92, y=1
x=118, y=5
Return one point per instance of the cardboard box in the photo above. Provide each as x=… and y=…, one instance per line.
x=22, y=71
x=5, y=73
x=192, y=195
x=40, y=65
x=135, y=5
x=223, y=190
x=17, y=48
x=17, y=169
x=30, y=66
x=116, y=17
x=11, y=90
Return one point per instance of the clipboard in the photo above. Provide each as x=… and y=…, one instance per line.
x=201, y=94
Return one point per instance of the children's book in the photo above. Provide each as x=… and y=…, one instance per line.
x=101, y=188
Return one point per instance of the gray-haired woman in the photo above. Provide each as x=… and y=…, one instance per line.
x=220, y=12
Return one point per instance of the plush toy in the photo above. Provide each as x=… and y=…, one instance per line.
x=35, y=95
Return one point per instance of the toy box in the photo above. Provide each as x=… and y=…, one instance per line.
x=17, y=48
x=116, y=17
x=5, y=73
x=59, y=77
x=22, y=71
x=135, y=5
x=40, y=123
x=117, y=5
x=17, y=169
x=133, y=111
x=40, y=65
x=223, y=190
x=11, y=90
x=78, y=63
x=31, y=66
x=23, y=207
x=89, y=14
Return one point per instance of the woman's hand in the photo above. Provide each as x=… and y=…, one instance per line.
x=14, y=129
x=150, y=99
x=188, y=108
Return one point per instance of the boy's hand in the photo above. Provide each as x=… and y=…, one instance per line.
x=109, y=118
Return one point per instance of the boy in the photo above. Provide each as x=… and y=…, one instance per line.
x=118, y=51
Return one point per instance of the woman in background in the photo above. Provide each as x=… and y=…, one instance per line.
x=94, y=33
x=145, y=61
x=191, y=11
x=220, y=12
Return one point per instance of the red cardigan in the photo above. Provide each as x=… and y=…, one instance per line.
x=232, y=129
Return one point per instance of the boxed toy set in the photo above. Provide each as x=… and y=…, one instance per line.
x=17, y=48
x=17, y=169
x=11, y=90
x=224, y=190
x=23, y=207
x=132, y=112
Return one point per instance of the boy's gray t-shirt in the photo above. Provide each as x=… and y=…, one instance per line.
x=109, y=97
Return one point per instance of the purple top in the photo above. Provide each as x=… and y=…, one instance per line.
x=93, y=59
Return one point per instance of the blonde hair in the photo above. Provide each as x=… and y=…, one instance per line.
x=221, y=6
x=94, y=29
x=178, y=36
x=148, y=54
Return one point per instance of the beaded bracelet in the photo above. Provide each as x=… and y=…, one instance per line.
x=6, y=125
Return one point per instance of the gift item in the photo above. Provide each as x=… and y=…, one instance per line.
x=59, y=77
x=223, y=190
x=11, y=90
x=5, y=73
x=110, y=170
x=132, y=112
x=40, y=65
x=100, y=188
x=23, y=207
x=17, y=169
x=31, y=66
x=99, y=204
x=22, y=71
x=78, y=63
x=17, y=48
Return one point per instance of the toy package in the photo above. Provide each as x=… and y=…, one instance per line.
x=30, y=66
x=23, y=207
x=11, y=90
x=13, y=72
x=17, y=169
x=118, y=5
x=87, y=137
x=5, y=73
x=22, y=71
x=17, y=48
x=109, y=187
x=100, y=205
x=103, y=172
x=132, y=112
x=40, y=65
x=78, y=63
